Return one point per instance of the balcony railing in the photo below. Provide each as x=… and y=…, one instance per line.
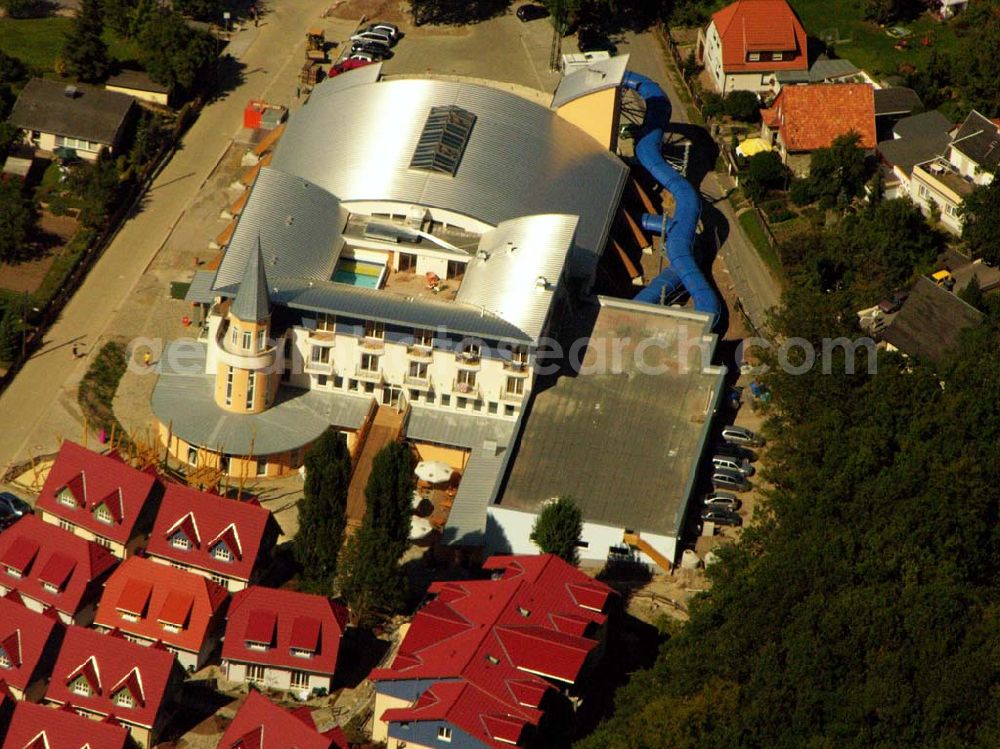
x=424, y=353
x=510, y=396
x=418, y=383
x=467, y=360
x=316, y=366
x=517, y=369
x=467, y=390
x=372, y=344
x=322, y=337
x=369, y=375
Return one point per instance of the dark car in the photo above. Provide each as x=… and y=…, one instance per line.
x=594, y=39
x=373, y=49
x=531, y=12
x=721, y=516
x=734, y=451
x=12, y=508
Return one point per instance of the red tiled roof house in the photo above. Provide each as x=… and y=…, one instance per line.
x=99, y=498
x=29, y=642
x=151, y=603
x=38, y=727
x=260, y=724
x=222, y=539
x=50, y=567
x=804, y=118
x=749, y=41
x=100, y=675
x=281, y=639
x=483, y=659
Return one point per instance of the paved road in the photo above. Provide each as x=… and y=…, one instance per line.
x=39, y=405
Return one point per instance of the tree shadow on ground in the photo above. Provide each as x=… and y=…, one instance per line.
x=456, y=12
x=229, y=75
x=197, y=701
x=360, y=652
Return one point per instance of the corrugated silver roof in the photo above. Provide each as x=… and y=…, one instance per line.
x=521, y=157
x=353, y=301
x=459, y=430
x=184, y=399
x=298, y=224
x=597, y=76
x=200, y=290
x=516, y=267
x=251, y=303
x=354, y=77
x=467, y=519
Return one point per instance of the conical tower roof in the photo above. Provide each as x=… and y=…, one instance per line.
x=252, y=303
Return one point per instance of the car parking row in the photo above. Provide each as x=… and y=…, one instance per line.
x=731, y=468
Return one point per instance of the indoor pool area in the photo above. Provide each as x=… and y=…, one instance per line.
x=359, y=273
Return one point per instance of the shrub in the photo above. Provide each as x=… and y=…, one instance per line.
x=743, y=106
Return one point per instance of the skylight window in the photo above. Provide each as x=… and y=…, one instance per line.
x=443, y=140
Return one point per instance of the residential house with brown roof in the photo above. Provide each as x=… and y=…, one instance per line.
x=223, y=539
x=38, y=727
x=99, y=497
x=283, y=639
x=102, y=675
x=482, y=659
x=52, y=568
x=152, y=603
x=29, y=642
x=749, y=42
x=80, y=118
x=929, y=322
x=970, y=160
x=805, y=118
x=260, y=724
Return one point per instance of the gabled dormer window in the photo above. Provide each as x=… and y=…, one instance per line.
x=50, y=588
x=124, y=698
x=5, y=659
x=66, y=497
x=180, y=541
x=103, y=514
x=221, y=552
x=81, y=686
x=13, y=572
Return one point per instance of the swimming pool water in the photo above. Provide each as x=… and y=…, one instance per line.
x=358, y=273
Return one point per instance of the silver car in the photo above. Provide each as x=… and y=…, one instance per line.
x=735, y=435
x=722, y=500
x=740, y=465
x=379, y=37
x=723, y=478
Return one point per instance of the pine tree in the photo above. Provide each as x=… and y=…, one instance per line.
x=371, y=580
x=322, y=510
x=557, y=529
x=85, y=52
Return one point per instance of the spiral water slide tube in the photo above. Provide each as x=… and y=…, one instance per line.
x=679, y=230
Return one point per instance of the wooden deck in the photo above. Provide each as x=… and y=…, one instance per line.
x=385, y=428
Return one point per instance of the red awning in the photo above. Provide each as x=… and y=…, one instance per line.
x=260, y=627
x=135, y=597
x=57, y=570
x=20, y=554
x=305, y=634
x=177, y=608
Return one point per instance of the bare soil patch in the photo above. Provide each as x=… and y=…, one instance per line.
x=52, y=235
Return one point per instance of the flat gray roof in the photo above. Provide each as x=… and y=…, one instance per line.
x=624, y=439
x=184, y=399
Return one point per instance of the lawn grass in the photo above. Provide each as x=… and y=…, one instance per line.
x=39, y=41
x=869, y=47
x=751, y=225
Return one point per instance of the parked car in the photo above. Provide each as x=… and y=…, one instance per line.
x=723, y=500
x=735, y=435
x=740, y=465
x=12, y=507
x=382, y=27
x=532, y=12
x=723, y=478
x=375, y=49
x=364, y=57
x=734, y=451
x=372, y=36
x=721, y=517
x=349, y=64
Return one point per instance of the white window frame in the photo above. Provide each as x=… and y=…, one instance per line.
x=81, y=687
x=299, y=680
x=423, y=337
x=515, y=386
x=369, y=359
x=374, y=329
x=180, y=541
x=466, y=377
x=229, y=386
x=66, y=498
x=255, y=674
x=444, y=733
x=753, y=57
x=261, y=339
x=222, y=552
x=251, y=387
x=103, y=514
x=66, y=525
x=124, y=698
x=247, y=340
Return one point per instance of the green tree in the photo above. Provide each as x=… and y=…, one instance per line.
x=973, y=295
x=977, y=61
x=980, y=214
x=19, y=8
x=743, y=106
x=558, y=528
x=10, y=336
x=322, y=510
x=370, y=579
x=203, y=10
x=764, y=171
x=841, y=169
x=17, y=218
x=172, y=52
x=84, y=52
x=96, y=185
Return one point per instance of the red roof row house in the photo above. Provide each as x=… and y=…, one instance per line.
x=37, y=727
x=260, y=724
x=482, y=657
x=29, y=642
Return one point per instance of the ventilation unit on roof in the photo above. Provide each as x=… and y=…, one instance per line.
x=443, y=140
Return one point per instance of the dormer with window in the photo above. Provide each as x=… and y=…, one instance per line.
x=74, y=493
x=304, y=640
x=180, y=540
x=10, y=651
x=81, y=686
x=85, y=680
x=183, y=535
x=260, y=630
x=103, y=514
x=128, y=692
x=124, y=699
x=221, y=552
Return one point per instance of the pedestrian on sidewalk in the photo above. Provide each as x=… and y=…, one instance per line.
x=147, y=359
x=76, y=351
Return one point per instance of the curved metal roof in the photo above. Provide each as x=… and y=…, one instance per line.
x=597, y=76
x=357, y=142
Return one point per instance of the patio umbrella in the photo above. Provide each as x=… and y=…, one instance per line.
x=433, y=471
x=752, y=146
x=419, y=528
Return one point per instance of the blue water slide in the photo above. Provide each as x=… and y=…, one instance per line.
x=680, y=229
